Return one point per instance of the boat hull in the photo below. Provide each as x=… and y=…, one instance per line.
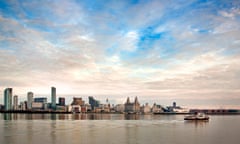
x=197, y=119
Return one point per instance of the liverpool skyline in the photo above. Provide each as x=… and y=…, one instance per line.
x=183, y=51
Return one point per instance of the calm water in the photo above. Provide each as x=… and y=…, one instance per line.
x=116, y=129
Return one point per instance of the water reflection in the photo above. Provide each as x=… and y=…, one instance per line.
x=197, y=123
x=7, y=116
x=132, y=117
x=116, y=129
x=90, y=116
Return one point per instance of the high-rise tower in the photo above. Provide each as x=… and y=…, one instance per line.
x=29, y=100
x=53, y=96
x=8, y=99
x=15, y=102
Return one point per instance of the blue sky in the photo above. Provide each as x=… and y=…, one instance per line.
x=161, y=51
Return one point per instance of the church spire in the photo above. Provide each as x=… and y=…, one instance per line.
x=128, y=101
x=136, y=100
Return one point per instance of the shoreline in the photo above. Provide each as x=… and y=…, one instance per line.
x=161, y=113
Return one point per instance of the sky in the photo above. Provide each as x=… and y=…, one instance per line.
x=186, y=51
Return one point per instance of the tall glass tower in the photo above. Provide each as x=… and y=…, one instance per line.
x=94, y=103
x=53, y=96
x=8, y=99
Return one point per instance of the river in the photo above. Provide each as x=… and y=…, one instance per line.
x=116, y=129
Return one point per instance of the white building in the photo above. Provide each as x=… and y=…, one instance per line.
x=119, y=108
x=74, y=108
x=29, y=100
x=37, y=106
x=15, y=102
x=157, y=108
x=146, y=108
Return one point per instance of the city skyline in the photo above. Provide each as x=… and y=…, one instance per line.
x=162, y=51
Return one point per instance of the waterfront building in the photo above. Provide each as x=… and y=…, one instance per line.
x=86, y=108
x=53, y=96
x=215, y=111
x=39, y=103
x=40, y=99
x=78, y=101
x=23, y=106
x=61, y=101
x=29, y=100
x=74, y=108
x=15, y=102
x=61, y=108
x=145, y=109
x=1, y=107
x=132, y=107
x=94, y=103
x=103, y=108
x=119, y=108
x=177, y=109
x=8, y=99
x=157, y=108
x=37, y=106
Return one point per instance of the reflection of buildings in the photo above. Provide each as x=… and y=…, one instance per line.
x=131, y=117
x=8, y=99
x=132, y=107
x=29, y=100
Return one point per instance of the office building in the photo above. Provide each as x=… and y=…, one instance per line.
x=78, y=101
x=61, y=101
x=94, y=103
x=39, y=103
x=29, y=100
x=15, y=102
x=8, y=99
x=23, y=106
x=53, y=96
x=40, y=99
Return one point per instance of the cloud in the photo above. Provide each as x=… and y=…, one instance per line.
x=128, y=42
x=208, y=72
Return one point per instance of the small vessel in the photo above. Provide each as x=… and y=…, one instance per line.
x=197, y=116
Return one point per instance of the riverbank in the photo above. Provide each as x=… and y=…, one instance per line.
x=160, y=113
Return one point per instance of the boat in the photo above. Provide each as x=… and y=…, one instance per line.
x=197, y=116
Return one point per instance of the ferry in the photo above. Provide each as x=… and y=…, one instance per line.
x=197, y=116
